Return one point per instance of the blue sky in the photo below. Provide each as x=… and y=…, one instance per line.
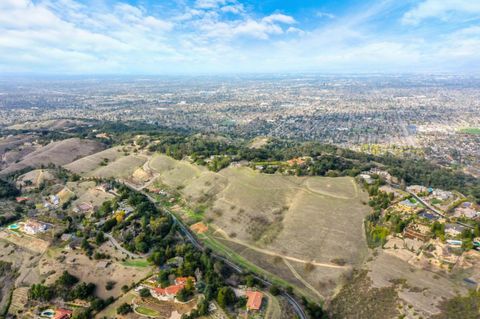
x=235, y=36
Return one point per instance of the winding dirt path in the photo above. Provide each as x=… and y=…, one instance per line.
x=303, y=281
x=275, y=254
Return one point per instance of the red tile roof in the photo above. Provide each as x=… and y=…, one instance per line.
x=254, y=301
x=170, y=290
x=183, y=280
x=62, y=314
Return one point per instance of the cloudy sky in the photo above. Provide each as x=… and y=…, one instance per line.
x=233, y=36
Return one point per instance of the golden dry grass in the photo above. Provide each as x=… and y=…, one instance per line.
x=58, y=153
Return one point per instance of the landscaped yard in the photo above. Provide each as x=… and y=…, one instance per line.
x=136, y=263
x=146, y=311
x=471, y=130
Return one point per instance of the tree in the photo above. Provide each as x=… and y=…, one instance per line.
x=250, y=281
x=66, y=280
x=83, y=291
x=225, y=297
x=110, y=284
x=124, y=308
x=203, y=307
x=144, y=293
x=183, y=295
x=40, y=292
x=189, y=286
x=100, y=238
x=274, y=290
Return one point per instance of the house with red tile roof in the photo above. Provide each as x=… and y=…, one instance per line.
x=254, y=301
x=167, y=293
x=62, y=314
x=183, y=280
x=21, y=199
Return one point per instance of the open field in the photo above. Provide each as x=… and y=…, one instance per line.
x=88, y=270
x=13, y=141
x=111, y=310
x=24, y=262
x=58, y=153
x=35, y=178
x=92, y=162
x=31, y=243
x=175, y=173
x=56, y=124
x=19, y=299
x=121, y=168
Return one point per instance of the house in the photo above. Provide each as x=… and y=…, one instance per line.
x=407, y=206
x=367, y=178
x=429, y=216
x=176, y=261
x=102, y=135
x=55, y=200
x=21, y=199
x=168, y=293
x=62, y=314
x=417, y=232
x=254, y=301
x=74, y=244
x=454, y=229
x=417, y=189
x=441, y=194
x=183, y=280
x=383, y=174
x=84, y=208
x=66, y=237
x=453, y=242
x=467, y=210
x=33, y=227
x=296, y=161
x=104, y=187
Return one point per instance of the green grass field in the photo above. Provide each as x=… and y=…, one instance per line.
x=470, y=130
x=142, y=263
x=147, y=311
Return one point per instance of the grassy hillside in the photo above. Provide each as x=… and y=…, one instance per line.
x=58, y=153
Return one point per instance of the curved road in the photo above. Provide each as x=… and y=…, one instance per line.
x=428, y=206
x=120, y=247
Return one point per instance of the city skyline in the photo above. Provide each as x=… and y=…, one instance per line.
x=233, y=36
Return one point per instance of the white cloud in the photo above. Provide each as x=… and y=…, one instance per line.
x=225, y=35
x=322, y=14
x=279, y=18
x=443, y=10
x=234, y=8
x=209, y=4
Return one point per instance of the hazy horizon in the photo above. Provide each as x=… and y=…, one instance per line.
x=211, y=37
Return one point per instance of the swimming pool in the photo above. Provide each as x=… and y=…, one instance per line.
x=47, y=313
x=13, y=226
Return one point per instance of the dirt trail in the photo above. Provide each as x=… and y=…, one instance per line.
x=294, y=186
x=272, y=253
x=304, y=282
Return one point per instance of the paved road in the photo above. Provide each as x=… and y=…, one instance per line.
x=198, y=245
x=429, y=207
x=119, y=247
